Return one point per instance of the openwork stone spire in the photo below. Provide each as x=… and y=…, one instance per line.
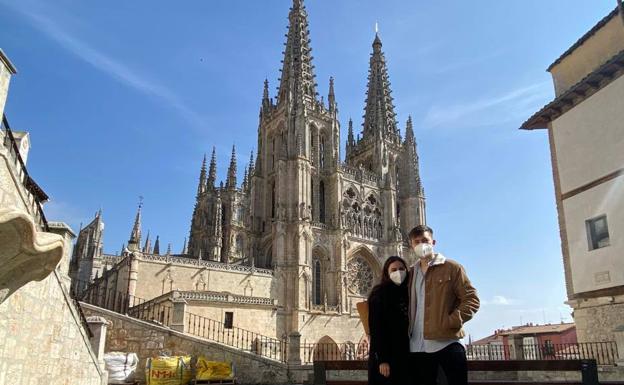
x=411, y=185
x=350, y=139
x=379, y=115
x=212, y=173
x=201, y=187
x=297, y=79
x=231, y=178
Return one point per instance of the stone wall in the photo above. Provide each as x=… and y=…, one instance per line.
x=126, y=334
x=256, y=319
x=596, y=319
x=156, y=278
x=43, y=340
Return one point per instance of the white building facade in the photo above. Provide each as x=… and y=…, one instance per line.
x=585, y=126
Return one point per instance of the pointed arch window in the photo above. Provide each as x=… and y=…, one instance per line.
x=322, y=152
x=322, y=202
x=273, y=151
x=316, y=281
x=313, y=198
x=273, y=200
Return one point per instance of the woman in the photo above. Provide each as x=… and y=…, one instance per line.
x=389, y=323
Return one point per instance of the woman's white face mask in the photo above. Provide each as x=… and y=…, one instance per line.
x=398, y=276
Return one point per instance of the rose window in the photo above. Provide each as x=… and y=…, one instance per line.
x=360, y=276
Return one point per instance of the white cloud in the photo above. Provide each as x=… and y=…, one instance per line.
x=512, y=105
x=42, y=21
x=499, y=300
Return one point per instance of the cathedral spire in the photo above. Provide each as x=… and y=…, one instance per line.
x=297, y=79
x=212, y=173
x=231, y=178
x=201, y=187
x=331, y=96
x=409, y=131
x=245, y=179
x=379, y=115
x=266, y=101
x=184, y=248
x=147, y=248
x=412, y=185
x=157, y=246
x=134, y=244
x=350, y=139
x=251, y=166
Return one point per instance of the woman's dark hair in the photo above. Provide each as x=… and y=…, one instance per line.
x=385, y=276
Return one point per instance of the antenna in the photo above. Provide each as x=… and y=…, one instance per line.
x=376, y=27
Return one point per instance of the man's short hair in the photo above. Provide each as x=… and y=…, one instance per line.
x=419, y=230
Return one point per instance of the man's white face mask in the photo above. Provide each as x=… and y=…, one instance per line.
x=423, y=250
x=398, y=276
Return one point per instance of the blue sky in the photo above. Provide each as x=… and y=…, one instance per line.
x=122, y=99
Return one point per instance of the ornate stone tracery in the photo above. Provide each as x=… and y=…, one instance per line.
x=362, y=218
x=360, y=275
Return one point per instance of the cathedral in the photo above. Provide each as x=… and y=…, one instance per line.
x=303, y=238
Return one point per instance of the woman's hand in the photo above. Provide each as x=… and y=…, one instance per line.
x=384, y=369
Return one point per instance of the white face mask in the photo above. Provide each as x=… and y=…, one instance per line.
x=423, y=250
x=398, y=276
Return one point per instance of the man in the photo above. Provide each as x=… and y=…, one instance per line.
x=441, y=300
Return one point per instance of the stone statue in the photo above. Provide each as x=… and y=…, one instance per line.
x=302, y=210
x=397, y=234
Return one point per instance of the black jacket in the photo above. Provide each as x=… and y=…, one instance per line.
x=389, y=323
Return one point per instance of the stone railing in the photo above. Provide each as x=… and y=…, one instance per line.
x=360, y=175
x=111, y=259
x=208, y=264
x=325, y=308
x=223, y=297
x=319, y=225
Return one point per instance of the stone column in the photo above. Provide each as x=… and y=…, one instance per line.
x=618, y=333
x=294, y=349
x=98, y=326
x=133, y=273
x=179, y=318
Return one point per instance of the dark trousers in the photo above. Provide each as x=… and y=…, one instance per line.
x=423, y=367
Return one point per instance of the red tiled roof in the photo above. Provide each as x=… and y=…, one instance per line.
x=539, y=329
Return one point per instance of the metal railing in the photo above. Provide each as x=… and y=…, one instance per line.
x=236, y=337
x=605, y=353
x=36, y=194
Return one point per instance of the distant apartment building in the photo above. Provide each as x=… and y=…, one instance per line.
x=535, y=342
x=585, y=125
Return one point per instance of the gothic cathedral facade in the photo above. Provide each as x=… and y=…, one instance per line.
x=319, y=225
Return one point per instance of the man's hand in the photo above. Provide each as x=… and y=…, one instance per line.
x=384, y=369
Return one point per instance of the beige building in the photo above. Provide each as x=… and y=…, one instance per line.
x=302, y=239
x=585, y=126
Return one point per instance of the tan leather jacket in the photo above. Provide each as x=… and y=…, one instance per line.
x=450, y=299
